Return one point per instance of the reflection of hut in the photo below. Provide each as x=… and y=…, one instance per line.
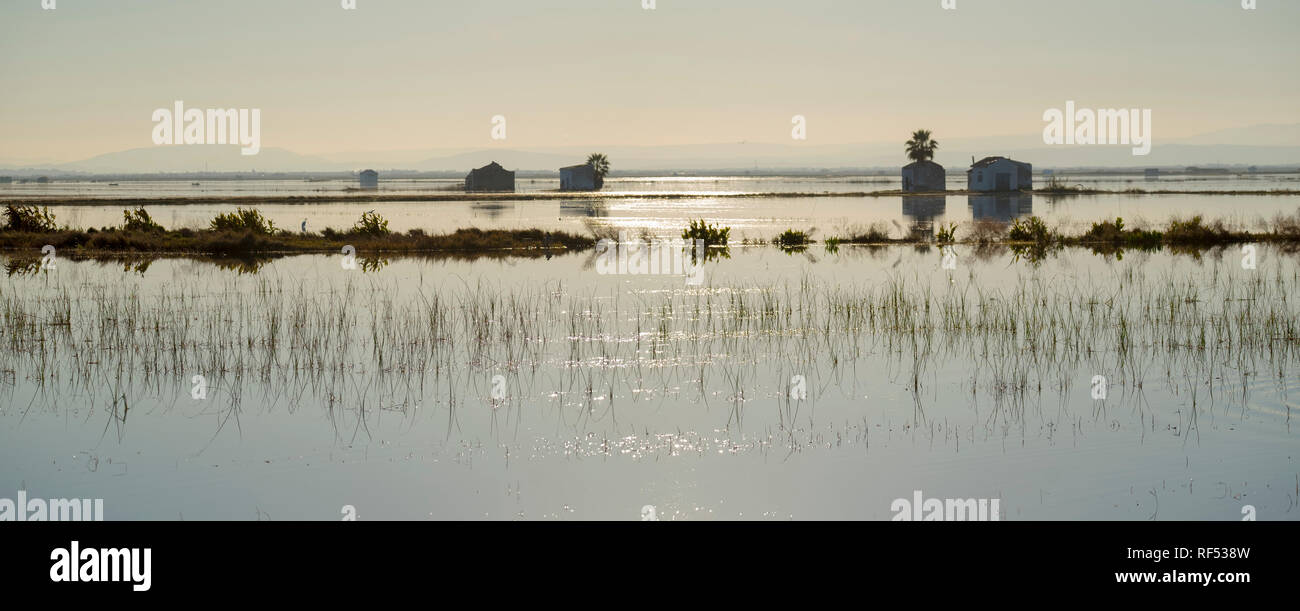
x=924, y=176
x=921, y=231
x=580, y=178
x=591, y=209
x=999, y=174
x=924, y=208
x=491, y=177
x=1003, y=208
x=491, y=209
x=370, y=179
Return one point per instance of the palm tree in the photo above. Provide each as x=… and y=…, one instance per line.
x=921, y=147
x=600, y=164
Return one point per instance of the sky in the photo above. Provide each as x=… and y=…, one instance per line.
x=84, y=78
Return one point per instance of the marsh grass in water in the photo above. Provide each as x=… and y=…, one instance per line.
x=793, y=239
x=995, y=360
x=1030, y=337
x=712, y=235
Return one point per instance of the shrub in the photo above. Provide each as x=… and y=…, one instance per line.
x=1194, y=230
x=243, y=220
x=139, y=220
x=791, y=238
x=877, y=233
x=1106, y=231
x=29, y=218
x=946, y=235
x=71, y=239
x=227, y=245
x=1113, y=232
x=371, y=223
x=1031, y=229
x=712, y=235
x=1287, y=226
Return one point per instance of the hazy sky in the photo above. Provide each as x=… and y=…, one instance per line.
x=83, y=79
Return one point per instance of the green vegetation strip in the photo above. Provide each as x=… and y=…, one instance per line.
x=246, y=231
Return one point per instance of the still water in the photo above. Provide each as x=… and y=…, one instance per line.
x=808, y=385
x=755, y=218
x=652, y=184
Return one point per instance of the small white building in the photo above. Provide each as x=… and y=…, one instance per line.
x=580, y=178
x=999, y=174
x=370, y=179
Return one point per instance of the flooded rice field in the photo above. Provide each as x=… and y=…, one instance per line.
x=818, y=384
x=755, y=218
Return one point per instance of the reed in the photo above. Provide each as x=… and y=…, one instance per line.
x=370, y=342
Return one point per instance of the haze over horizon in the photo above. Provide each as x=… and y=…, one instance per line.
x=404, y=75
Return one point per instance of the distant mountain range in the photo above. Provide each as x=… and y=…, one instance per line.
x=1262, y=145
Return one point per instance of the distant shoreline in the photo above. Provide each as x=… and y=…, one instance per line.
x=570, y=195
x=867, y=173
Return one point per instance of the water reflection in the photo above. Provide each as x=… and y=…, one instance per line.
x=922, y=211
x=21, y=266
x=1004, y=208
x=138, y=266
x=250, y=264
x=585, y=208
x=349, y=380
x=926, y=208
x=492, y=210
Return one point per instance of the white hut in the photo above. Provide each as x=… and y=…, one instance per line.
x=580, y=178
x=999, y=174
x=370, y=179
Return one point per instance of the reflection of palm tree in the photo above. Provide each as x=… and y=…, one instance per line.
x=921, y=147
x=599, y=163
